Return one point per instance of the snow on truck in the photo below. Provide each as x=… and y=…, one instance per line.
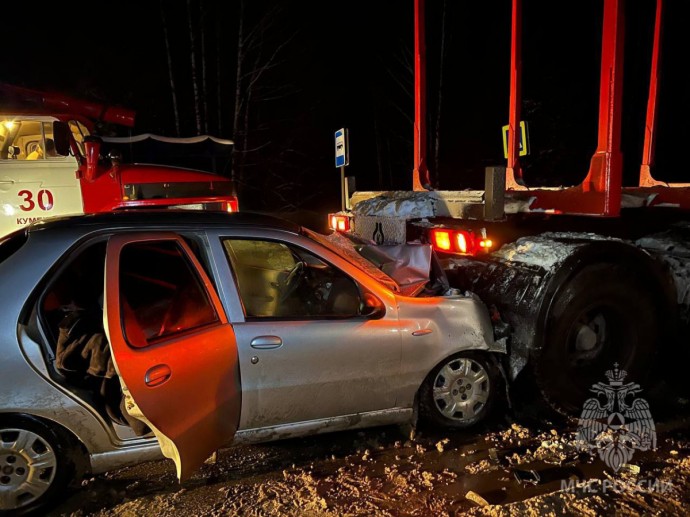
x=587, y=276
x=50, y=164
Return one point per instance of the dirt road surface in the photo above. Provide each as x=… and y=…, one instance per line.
x=508, y=467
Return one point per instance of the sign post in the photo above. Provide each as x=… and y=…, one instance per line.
x=342, y=159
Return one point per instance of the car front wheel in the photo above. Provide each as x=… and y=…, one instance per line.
x=33, y=465
x=460, y=391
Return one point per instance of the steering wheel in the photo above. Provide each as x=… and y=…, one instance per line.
x=292, y=281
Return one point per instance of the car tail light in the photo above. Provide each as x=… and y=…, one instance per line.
x=339, y=223
x=463, y=242
x=230, y=206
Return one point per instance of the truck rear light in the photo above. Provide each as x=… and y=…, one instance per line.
x=441, y=240
x=339, y=223
x=463, y=242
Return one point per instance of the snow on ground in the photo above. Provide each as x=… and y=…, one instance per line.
x=507, y=468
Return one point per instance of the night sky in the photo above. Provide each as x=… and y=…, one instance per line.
x=311, y=68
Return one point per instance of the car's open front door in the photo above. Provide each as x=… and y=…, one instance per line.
x=173, y=346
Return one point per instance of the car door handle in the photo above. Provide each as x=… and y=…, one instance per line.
x=266, y=342
x=422, y=332
x=157, y=375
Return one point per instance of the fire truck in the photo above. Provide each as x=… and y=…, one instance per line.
x=589, y=277
x=51, y=164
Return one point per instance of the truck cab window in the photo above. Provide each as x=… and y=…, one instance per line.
x=26, y=140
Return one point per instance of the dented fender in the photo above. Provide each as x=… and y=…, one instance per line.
x=437, y=327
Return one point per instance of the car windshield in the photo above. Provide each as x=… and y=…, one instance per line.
x=344, y=247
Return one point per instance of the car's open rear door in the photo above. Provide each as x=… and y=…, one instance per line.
x=173, y=346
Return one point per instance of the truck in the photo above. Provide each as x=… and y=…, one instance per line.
x=591, y=278
x=51, y=164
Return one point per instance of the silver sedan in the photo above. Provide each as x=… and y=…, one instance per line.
x=127, y=336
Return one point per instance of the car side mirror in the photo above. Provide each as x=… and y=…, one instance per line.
x=61, y=138
x=372, y=307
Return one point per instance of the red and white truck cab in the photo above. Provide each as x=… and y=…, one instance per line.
x=51, y=165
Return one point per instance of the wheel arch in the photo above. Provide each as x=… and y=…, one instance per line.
x=81, y=459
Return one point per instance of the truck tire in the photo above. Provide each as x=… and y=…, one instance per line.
x=602, y=317
x=460, y=391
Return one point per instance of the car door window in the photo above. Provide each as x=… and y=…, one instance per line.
x=277, y=280
x=161, y=293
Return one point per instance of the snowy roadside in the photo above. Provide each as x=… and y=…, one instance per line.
x=382, y=472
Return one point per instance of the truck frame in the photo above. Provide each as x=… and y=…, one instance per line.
x=51, y=164
x=589, y=277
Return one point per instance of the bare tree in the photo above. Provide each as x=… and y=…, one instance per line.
x=241, y=51
x=219, y=89
x=204, y=89
x=195, y=86
x=258, y=50
x=173, y=91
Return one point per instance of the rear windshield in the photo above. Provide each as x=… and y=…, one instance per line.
x=11, y=243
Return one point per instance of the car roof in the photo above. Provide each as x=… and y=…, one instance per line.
x=167, y=217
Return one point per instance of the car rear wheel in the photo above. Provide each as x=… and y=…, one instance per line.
x=34, y=465
x=460, y=391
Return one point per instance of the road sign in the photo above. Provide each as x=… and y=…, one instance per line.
x=523, y=141
x=342, y=154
